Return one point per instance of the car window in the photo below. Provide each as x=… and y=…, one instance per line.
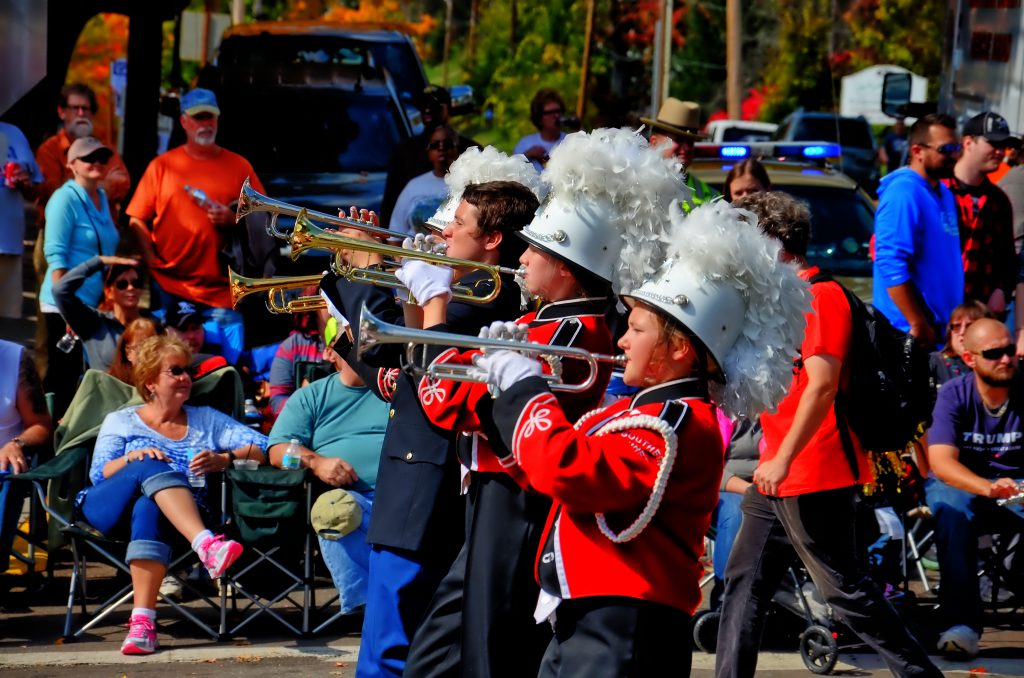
x=309, y=130
x=400, y=60
x=850, y=131
x=745, y=134
x=842, y=222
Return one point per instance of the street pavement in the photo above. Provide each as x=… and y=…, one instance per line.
x=31, y=624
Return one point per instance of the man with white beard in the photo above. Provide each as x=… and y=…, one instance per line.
x=182, y=215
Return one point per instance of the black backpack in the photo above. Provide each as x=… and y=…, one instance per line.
x=889, y=397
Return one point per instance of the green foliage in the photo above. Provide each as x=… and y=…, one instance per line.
x=797, y=73
x=907, y=33
x=698, y=69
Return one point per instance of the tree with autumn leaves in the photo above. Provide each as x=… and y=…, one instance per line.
x=794, y=52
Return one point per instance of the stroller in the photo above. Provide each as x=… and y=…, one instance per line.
x=818, y=642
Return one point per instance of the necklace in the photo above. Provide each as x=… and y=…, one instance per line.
x=997, y=412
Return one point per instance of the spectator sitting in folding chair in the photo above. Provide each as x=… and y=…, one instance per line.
x=144, y=473
x=339, y=425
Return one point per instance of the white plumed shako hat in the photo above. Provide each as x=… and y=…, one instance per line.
x=608, y=188
x=476, y=166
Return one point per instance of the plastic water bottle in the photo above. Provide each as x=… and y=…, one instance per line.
x=196, y=480
x=253, y=418
x=198, y=194
x=292, y=459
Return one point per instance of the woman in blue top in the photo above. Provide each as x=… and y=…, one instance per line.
x=140, y=485
x=78, y=227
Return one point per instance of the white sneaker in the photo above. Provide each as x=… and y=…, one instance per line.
x=959, y=641
x=171, y=587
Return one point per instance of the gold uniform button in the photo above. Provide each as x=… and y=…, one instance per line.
x=391, y=414
x=408, y=455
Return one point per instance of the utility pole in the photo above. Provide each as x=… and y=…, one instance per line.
x=447, y=39
x=581, y=100
x=237, y=12
x=734, y=57
x=662, y=56
x=474, y=9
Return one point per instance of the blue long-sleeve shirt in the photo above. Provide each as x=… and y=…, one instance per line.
x=917, y=240
x=76, y=230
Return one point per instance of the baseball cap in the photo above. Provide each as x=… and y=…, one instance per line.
x=335, y=514
x=86, y=145
x=199, y=100
x=990, y=125
x=182, y=314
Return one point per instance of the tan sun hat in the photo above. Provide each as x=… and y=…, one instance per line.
x=678, y=117
x=335, y=514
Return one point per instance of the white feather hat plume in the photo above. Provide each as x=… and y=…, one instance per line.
x=619, y=168
x=720, y=243
x=477, y=166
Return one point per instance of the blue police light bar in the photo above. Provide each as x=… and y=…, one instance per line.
x=734, y=151
x=822, y=151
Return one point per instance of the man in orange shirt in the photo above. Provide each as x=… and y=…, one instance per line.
x=182, y=231
x=805, y=486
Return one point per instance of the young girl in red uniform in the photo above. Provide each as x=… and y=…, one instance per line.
x=482, y=616
x=634, y=484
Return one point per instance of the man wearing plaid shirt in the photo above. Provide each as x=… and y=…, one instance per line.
x=985, y=214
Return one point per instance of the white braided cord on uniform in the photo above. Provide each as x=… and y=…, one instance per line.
x=660, y=482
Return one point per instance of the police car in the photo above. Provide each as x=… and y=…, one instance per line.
x=842, y=214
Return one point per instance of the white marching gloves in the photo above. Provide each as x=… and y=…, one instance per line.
x=505, y=330
x=425, y=281
x=501, y=369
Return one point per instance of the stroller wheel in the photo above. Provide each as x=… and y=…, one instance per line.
x=705, y=630
x=818, y=649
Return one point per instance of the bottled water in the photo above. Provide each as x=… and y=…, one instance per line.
x=198, y=194
x=292, y=459
x=253, y=418
x=196, y=480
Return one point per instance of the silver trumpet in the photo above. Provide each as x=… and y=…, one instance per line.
x=374, y=331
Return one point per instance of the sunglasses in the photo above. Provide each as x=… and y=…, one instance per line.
x=997, y=353
x=445, y=145
x=123, y=284
x=79, y=108
x=944, y=149
x=96, y=158
x=176, y=371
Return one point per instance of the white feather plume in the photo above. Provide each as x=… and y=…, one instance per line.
x=477, y=166
x=720, y=242
x=619, y=167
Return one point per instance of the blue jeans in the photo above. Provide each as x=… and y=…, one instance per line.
x=124, y=503
x=727, y=519
x=348, y=558
x=12, y=500
x=225, y=329
x=959, y=517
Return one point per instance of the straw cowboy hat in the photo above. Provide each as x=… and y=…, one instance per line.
x=678, y=117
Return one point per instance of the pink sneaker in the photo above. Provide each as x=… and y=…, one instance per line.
x=141, y=636
x=218, y=553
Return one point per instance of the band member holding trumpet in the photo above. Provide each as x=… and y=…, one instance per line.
x=417, y=503
x=483, y=611
x=634, y=484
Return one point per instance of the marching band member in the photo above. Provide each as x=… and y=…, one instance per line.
x=634, y=484
x=481, y=620
x=417, y=499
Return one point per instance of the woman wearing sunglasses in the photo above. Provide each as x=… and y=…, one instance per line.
x=99, y=327
x=148, y=477
x=78, y=227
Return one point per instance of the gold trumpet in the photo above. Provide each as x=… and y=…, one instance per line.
x=275, y=289
x=374, y=331
x=251, y=200
x=306, y=236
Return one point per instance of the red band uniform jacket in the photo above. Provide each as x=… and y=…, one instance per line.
x=619, y=527
x=467, y=406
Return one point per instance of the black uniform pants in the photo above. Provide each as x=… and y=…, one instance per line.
x=613, y=637
x=480, y=622
x=820, y=527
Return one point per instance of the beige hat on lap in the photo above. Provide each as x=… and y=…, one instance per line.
x=335, y=514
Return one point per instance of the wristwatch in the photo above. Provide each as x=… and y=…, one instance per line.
x=18, y=441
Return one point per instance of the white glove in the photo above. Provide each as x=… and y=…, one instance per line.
x=501, y=369
x=425, y=243
x=505, y=330
x=335, y=313
x=425, y=281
